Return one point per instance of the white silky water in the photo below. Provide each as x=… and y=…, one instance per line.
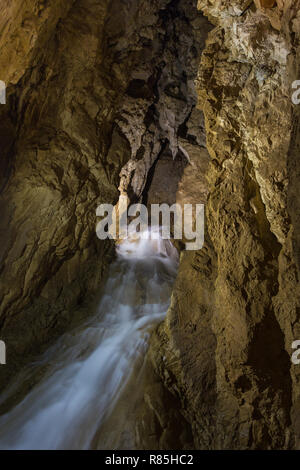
x=86, y=371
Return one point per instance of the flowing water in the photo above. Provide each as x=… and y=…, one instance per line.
x=88, y=369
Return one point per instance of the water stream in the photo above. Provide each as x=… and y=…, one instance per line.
x=87, y=370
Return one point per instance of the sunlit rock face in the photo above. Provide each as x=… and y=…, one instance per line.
x=225, y=347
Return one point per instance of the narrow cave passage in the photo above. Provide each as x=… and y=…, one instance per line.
x=157, y=140
x=153, y=101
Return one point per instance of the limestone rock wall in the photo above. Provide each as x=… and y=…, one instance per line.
x=225, y=348
x=97, y=90
x=93, y=87
x=54, y=175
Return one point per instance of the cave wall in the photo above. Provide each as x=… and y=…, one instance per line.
x=97, y=90
x=93, y=87
x=225, y=348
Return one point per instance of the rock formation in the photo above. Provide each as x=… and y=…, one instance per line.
x=93, y=87
x=101, y=100
x=224, y=350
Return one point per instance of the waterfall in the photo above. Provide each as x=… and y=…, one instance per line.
x=86, y=371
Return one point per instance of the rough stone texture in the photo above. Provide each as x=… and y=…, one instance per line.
x=96, y=87
x=55, y=172
x=225, y=347
x=91, y=85
x=162, y=100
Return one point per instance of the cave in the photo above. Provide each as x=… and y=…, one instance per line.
x=143, y=344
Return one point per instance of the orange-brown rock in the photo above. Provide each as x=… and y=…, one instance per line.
x=266, y=3
x=97, y=92
x=93, y=87
x=225, y=347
